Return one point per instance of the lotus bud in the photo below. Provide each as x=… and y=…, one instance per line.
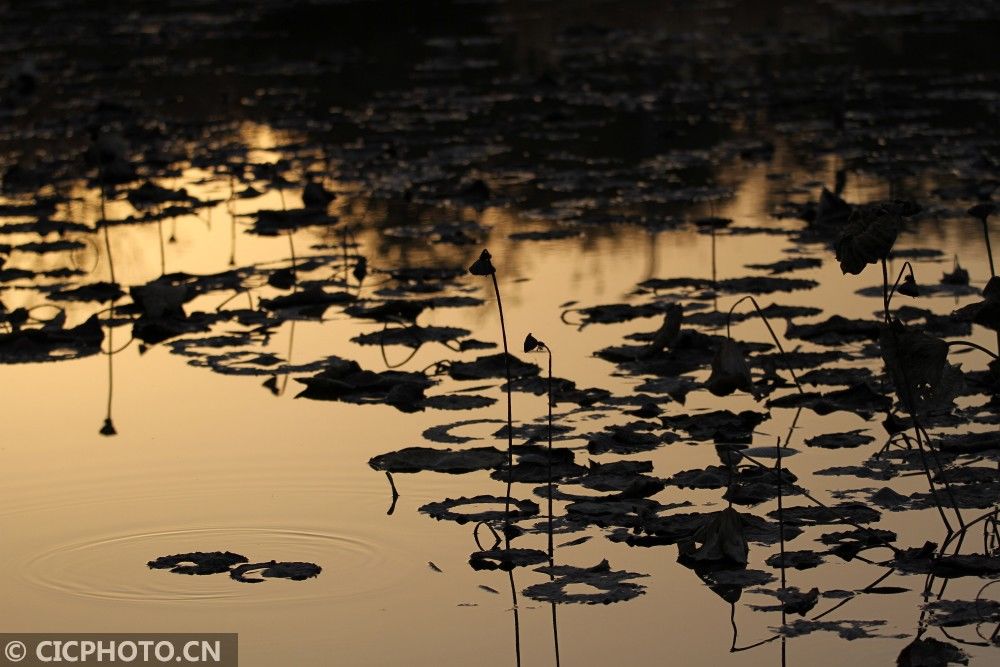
x=483, y=266
x=909, y=286
x=531, y=343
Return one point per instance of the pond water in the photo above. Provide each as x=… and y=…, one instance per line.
x=589, y=147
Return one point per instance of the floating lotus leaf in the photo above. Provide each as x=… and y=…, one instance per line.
x=506, y=559
x=416, y=459
x=448, y=509
x=491, y=366
x=613, y=586
x=956, y=613
x=296, y=571
x=840, y=440
x=800, y=560
x=198, y=562
x=930, y=652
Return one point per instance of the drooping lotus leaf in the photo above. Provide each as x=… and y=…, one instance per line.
x=721, y=539
x=868, y=237
x=198, y=562
x=294, y=570
x=730, y=370
x=916, y=362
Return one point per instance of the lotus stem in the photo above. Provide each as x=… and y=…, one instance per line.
x=104, y=221
x=549, y=457
x=517, y=616
x=770, y=330
x=965, y=343
x=781, y=525
x=395, y=493
x=885, y=291
x=902, y=271
x=510, y=412
x=989, y=248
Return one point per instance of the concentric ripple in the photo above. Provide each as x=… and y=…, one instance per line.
x=114, y=568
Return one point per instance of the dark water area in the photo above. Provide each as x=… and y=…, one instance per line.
x=740, y=253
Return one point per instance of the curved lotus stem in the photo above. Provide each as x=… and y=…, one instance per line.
x=770, y=330
x=395, y=493
x=484, y=267
x=902, y=270
x=975, y=346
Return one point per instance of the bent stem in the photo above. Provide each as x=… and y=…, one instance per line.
x=770, y=330
x=895, y=285
x=975, y=346
x=395, y=493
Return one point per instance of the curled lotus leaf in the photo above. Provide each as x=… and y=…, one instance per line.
x=721, y=539
x=868, y=237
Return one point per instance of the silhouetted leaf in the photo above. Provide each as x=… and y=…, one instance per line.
x=296, y=571
x=198, y=562
x=613, y=585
